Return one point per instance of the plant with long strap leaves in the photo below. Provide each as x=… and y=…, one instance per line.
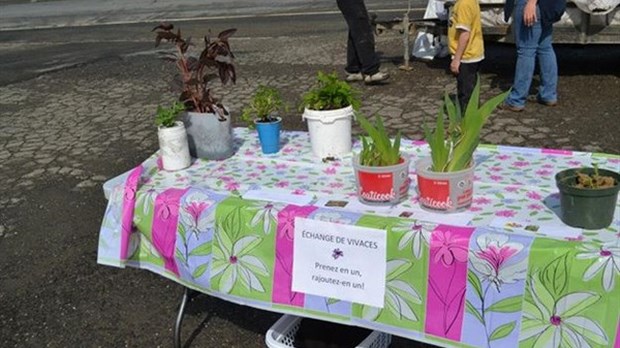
x=452, y=149
x=377, y=149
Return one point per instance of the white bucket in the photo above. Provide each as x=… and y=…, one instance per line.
x=174, y=147
x=330, y=131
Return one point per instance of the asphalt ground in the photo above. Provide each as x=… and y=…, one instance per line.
x=77, y=108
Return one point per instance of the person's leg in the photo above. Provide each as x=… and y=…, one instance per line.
x=548, y=91
x=465, y=83
x=526, y=40
x=354, y=66
x=361, y=34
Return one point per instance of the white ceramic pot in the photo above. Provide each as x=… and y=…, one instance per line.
x=330, y=131
x=174, y=147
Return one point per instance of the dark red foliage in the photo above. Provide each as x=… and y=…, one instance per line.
x=197, y=71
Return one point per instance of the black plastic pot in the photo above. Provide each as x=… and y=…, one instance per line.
x=590, y=209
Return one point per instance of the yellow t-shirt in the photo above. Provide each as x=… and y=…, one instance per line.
x=466, y=16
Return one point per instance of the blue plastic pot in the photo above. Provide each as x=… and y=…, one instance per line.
x=269, y=135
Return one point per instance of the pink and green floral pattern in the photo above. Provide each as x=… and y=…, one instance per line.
x=481, y=285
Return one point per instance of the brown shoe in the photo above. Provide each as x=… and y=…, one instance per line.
x=535, y=99
x=506, y=106
x=548, y=103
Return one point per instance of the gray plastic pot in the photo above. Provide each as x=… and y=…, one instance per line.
x=590, y=209
x=208, y=137
x=447, y=192
x=382, y=185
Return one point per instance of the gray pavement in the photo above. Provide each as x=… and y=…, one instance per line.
x=76, y=108
x=60, y=13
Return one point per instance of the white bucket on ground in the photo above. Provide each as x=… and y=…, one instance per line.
x=174, y=147
x=330, y=131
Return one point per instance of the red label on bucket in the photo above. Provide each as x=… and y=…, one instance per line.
x=434, y=193
x=376, y=187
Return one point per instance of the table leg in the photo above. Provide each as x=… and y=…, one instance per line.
x=187, y=295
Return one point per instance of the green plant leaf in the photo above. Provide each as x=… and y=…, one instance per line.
x=555, y=275
x=331, y=301
x=167, y=116
x=502, y=331
x=507, y=305
x=397, y=267
x=435, y=140
x=182, y=233
x=453, y=151
x=473, y=311
x=330, y=93
x=199, y=271
x=202, y=250
x=370, y=313
x=179, y=255
x=378, y=150
x=404, y=290
x=475, y=282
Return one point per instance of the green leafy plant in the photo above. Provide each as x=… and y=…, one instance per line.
x=166, y=116
x=377, y=148
x=263, y=106
x=452, y=149
x=330, y=93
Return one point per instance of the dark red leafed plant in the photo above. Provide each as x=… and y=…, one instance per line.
x=197, y=71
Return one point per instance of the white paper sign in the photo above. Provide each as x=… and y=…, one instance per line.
x=339, y=261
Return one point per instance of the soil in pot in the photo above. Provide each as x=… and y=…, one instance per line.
x=321, y=334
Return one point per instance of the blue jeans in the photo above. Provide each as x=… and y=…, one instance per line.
x=532, y=43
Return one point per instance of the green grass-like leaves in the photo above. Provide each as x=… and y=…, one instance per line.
x=452, y=149
x=377, y=149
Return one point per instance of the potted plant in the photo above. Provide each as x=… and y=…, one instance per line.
x=262, y=114
x=588, y=196
x=172, y=137
x=207, y=121
x=445, y=180
x=329, y=107
x=381, y=172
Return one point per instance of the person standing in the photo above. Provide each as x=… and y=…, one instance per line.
x=362, y=60
x=466, y=47
x=532, y=24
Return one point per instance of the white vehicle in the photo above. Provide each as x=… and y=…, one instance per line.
x=584, y=22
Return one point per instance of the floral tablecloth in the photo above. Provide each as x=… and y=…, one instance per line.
x=506, y=276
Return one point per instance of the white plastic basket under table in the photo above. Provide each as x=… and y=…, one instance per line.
x=282, y=335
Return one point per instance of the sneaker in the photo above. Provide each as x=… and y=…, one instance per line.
x=535, y=99
x=354, y=77
x=513, y=108
x=548, y=102
x=376, y=77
